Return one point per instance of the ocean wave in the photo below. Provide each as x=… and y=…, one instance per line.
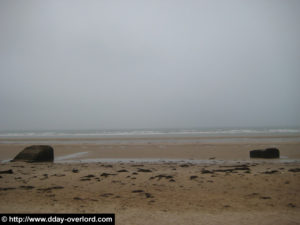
x=185, y=132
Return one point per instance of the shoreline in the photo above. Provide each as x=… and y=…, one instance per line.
x=193, y=153
x=185, y=151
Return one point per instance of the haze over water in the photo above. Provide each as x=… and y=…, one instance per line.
x=80, y=65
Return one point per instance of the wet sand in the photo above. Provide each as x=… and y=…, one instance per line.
x=237, y=190
x=162, y=150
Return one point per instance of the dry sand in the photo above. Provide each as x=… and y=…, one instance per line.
x=242, y=191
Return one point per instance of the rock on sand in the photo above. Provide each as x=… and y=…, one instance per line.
x=36, y=153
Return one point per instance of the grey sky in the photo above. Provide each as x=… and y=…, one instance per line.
x=144, y=64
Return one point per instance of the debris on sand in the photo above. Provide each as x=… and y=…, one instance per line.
x=144, y=170
x=7, y=171
x=107, y=174
x=137, y=191
x=122, y=171
x=295, y=170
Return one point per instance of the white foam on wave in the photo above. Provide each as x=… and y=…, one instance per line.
x=284, y=130
x=154, y=132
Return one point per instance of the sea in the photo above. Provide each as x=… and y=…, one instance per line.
x=111, y=136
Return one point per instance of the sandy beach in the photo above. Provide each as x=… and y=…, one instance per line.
x=157, y=183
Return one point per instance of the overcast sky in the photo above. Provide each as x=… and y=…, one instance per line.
x=67, y=64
